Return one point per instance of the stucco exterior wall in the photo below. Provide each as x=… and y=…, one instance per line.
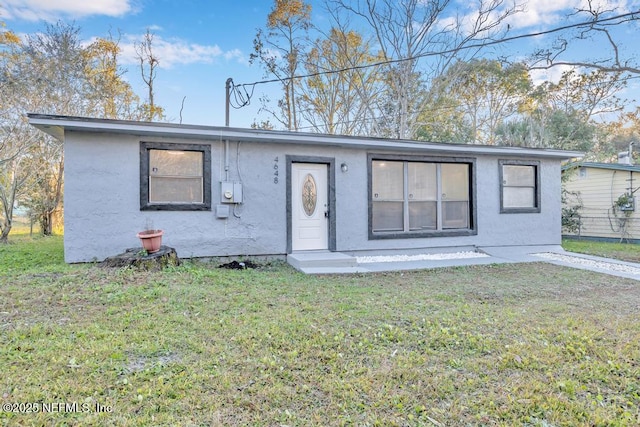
x=102, y=202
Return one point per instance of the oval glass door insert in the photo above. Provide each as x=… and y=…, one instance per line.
x=309, y=195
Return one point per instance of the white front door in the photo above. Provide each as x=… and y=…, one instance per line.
x=309, y=207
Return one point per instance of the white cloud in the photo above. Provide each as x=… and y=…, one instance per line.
x=553, y=12
x=552, y=74
x=177, y=52
x=465, y=16
x=541, y=12
x=535, y=13
x=34, y=10
x=237, y=55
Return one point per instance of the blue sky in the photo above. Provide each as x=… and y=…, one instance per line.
x=202, y=43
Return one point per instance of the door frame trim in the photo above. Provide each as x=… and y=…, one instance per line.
x=331, y=188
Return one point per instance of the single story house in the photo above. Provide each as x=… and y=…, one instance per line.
x=222, y=191
x=607, y=194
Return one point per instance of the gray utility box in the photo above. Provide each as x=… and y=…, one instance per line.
x=230, y=192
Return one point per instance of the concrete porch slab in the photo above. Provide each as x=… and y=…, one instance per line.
x=324, y=262
x=320, y=259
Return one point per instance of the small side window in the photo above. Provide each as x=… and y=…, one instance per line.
x=175, y=176
x=519, y=187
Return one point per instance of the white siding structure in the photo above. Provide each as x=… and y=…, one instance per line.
x=599, y=187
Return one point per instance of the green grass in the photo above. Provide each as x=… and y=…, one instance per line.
x=622, y=251
x=528, y=344
x=37, y=253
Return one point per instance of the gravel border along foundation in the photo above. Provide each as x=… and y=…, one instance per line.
x=420, y=257
x=589, y=263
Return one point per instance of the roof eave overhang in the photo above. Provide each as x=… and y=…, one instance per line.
x=56, y=126
x=604, y=166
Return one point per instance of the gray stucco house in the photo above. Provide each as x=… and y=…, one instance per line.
x=220, y=191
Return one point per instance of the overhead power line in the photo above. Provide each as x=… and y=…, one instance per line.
x=426, y=54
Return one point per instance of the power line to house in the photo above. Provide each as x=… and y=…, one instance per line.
x=244, y=99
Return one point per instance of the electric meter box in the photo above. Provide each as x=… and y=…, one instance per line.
x=230, y=192
x=630, y=205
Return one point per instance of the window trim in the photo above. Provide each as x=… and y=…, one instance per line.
x=471, y=231
x=537, y=193
x=145, y=205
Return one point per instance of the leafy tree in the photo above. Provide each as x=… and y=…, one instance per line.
x=443, y=120
x=113, y=96
x=564, y=115
x=486, y=93
x=571, y=204
x=45, y=167
x=340, y=102
x=558, y=129
x=592, y=93
x=619, y=135
x=280, y=50
x=14, y=142
x=51, y=72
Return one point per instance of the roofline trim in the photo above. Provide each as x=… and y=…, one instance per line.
x=56, y=126
x=601, y=165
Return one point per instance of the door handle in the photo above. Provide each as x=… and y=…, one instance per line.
x=326, y=214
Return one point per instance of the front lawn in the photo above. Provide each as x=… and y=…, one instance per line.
x=526, y=344
x=622, y=251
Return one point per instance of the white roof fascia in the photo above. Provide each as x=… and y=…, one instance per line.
x=56, y=126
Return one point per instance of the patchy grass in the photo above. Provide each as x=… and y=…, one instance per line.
x=39, y=254
x=529, y=344
x=622, y=251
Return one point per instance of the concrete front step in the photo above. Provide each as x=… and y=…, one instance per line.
x=322, y=260
x=334, y=270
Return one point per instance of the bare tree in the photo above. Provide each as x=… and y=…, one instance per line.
x=420, y=42
x=13, y=173
x=15, y=143
x=593, y=93
x=600, y=27
x=148, y=64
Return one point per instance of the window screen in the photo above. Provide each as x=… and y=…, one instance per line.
x=414, y=197
x=175, y=176
x=520, y=187
x=423, y=196
x=388, y=196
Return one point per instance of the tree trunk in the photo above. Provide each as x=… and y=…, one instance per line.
x=47, y=223
x=7, y=206
x=6, y=229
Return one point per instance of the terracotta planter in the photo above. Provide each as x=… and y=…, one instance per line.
x=151, y=240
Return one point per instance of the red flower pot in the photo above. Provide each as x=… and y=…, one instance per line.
x=151, y=240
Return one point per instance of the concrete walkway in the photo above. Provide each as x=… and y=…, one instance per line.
x=323, y=262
